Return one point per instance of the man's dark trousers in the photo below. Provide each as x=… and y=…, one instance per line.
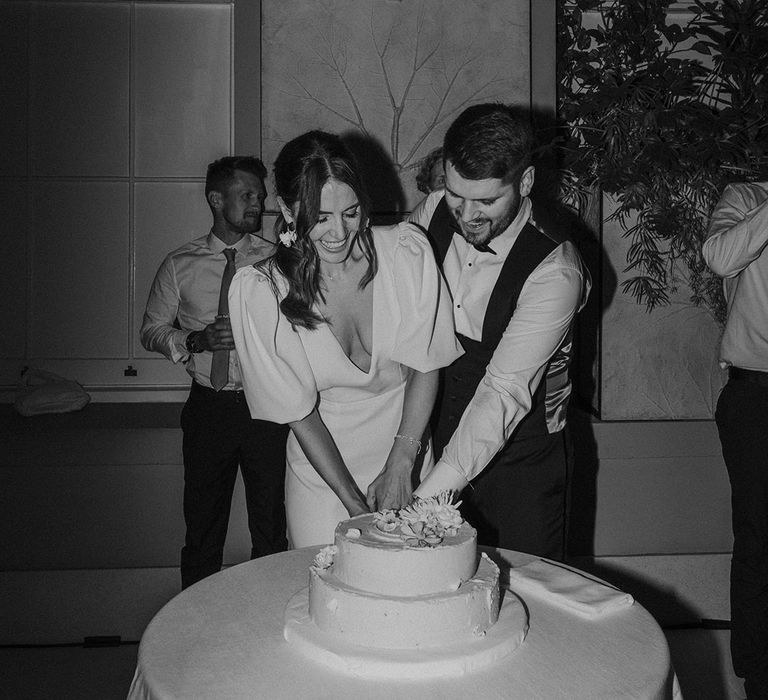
x=519, y=501
x=219, y=436
x=742, y=422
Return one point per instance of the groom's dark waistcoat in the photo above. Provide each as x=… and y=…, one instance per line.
x=460, y=379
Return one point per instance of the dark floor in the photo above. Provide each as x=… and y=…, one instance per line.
x=67, y=673
x=701, y=659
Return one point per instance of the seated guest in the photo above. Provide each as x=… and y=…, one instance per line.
x=340, y=335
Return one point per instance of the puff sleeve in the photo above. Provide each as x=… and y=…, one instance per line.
x=425, y=339
x=277, y=378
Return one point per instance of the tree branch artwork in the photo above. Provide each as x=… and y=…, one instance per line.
x=396, y=72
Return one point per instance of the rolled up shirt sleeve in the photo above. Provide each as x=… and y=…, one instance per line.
x=548, y=302
x=159, y=332
x=737, y=232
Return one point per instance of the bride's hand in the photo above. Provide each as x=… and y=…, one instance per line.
x=392, y=487
x=358, y=508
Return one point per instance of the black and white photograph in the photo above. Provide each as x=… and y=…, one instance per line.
x=384, y=349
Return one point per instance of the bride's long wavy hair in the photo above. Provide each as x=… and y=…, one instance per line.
x=301, y=169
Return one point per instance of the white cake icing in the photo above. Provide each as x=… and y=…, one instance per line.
x=451, y=661
x=422, y=621
x=383, y=562
x=404, y=593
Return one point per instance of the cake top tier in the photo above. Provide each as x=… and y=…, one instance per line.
x=420, y=550
x=428, y=522
x=366, y=531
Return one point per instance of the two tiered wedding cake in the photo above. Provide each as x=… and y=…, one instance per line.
x=404, y=593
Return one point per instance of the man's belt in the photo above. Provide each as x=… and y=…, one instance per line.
x=236, y=394
x=748, y=375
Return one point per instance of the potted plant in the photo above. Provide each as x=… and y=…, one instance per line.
x=660, y=116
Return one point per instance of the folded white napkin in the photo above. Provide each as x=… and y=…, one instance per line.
x=561, y=586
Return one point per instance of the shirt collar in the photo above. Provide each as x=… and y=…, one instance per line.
x=217, y=245
x=503, y=244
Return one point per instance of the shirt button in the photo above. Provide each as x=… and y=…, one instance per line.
x=458, y=306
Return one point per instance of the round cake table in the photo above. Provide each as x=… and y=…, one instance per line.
x=223, y=639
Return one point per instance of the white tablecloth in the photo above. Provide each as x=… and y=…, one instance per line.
x=223, y=639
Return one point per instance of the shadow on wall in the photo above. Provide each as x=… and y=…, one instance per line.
x=683, y=627
x=379, y=176
x=584, y=229
x=583, y=460
x=583, y=464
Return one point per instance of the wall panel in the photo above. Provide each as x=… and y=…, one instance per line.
x=167, y=215
x=80, y=271
x=182, y=108
x=102, y=100
x=13, y=269
x=13, y=88
x=79, y=89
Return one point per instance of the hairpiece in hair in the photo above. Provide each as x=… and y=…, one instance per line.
x=288, y=237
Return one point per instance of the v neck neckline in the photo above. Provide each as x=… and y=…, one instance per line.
x=329, y=327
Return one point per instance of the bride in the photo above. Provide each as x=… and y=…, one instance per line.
x=341, y=335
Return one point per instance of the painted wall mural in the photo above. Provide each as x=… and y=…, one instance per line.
x=390, y=75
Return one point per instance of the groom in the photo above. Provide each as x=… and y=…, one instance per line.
x=516, y=289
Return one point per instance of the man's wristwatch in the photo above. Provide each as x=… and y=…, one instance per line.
x=193, y=342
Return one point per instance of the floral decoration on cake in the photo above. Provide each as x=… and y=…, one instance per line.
x=324, y=558
x=425, y=522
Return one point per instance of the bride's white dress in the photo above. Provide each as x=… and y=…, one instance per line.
x=286, y=372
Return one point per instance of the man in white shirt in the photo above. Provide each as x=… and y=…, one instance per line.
x=183, y=322
x=735, y=249
x=516, y=289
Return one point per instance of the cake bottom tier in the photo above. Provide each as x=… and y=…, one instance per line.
x=385, y=622
x=449, y=661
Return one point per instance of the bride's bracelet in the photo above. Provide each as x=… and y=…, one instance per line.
x=411, y=441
